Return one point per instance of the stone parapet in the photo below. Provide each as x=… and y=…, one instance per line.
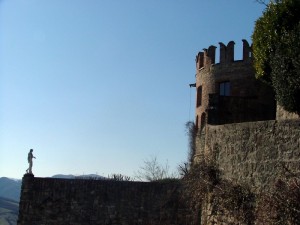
x=48, y=201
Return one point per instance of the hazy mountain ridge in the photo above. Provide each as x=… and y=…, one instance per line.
x=10, y=188
x=9, y=210
x=70, y=176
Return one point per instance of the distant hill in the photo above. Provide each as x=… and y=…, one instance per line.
x=9, y=210
x=10, y=188
x=63, y=176
x=70, y=176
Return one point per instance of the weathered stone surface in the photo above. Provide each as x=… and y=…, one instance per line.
x=282, y=114
x=256, y=152
x=252, y=154
x=48, y=201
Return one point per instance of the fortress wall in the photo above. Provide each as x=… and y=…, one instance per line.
x=48, y=201
x=252, y=153
x=255, y=153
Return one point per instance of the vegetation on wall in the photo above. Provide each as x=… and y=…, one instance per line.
x=280, y=205
x=276, y=50
x=191, y=132
x=223, y=200
x=203, y=186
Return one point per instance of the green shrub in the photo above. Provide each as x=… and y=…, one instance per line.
x=276, y=51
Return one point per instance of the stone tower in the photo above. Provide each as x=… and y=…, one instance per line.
x=228, y=92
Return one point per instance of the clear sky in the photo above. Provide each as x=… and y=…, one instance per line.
x=98, y=86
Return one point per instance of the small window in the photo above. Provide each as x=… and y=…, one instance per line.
x=203, y=120
x=199, y=96
x=225, y=88
x=197, y=122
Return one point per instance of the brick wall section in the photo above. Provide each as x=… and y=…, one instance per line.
x=47, y=201
x=255, y=153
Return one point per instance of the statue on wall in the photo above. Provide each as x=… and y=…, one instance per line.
x=29, y=158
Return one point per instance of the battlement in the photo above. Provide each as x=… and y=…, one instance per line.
x=227, y=90
x=207, y=57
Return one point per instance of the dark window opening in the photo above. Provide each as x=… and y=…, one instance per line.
x=199, y=96
x=203, y=121
x=224, y=88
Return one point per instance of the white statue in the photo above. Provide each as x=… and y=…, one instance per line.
x=30, y=157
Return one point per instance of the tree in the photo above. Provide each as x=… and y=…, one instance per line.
x=285, y=66
x=152, y=170
x=263, y=2
x=191, y=131
x=276, y=51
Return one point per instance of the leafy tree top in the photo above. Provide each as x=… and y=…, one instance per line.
x=280, y=17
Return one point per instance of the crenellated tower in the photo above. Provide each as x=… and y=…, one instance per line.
x=227, y=91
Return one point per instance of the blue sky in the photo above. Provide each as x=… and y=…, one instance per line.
x=98, y=86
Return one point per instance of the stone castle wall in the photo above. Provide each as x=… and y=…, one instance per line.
x=254, y=153
x=48, y=201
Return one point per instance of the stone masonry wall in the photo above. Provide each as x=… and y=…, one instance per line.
x=48, y=201
x=251, y=154
x=255, y=153
x=282, y=114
